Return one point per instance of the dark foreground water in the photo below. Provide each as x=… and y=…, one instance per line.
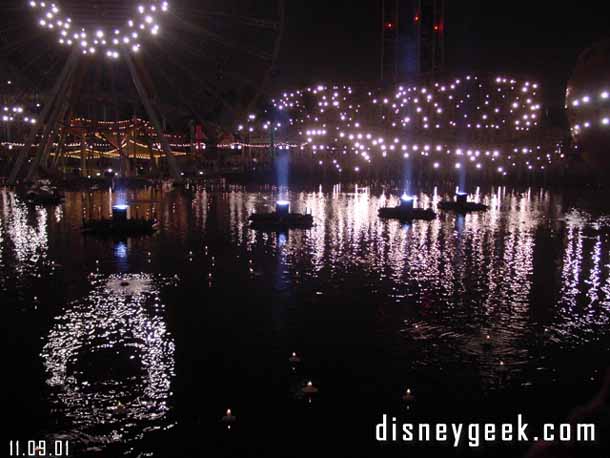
x=138, y=347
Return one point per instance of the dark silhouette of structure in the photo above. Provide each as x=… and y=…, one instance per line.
x=413, y=38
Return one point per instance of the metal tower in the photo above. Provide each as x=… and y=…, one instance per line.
x=412, y=38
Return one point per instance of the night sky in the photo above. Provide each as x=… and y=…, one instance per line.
x=339, y=40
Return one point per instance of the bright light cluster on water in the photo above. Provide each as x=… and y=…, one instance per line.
x=490, y=123
x=127, y=36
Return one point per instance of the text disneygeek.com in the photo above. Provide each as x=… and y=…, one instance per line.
x=475, y=434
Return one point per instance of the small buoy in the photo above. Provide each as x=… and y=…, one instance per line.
x=310, y=388
x=294, y=359
x=120, y=408
x=229, y=418
x=408, y=396
x=487, y=342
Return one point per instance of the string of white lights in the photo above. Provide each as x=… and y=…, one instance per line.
x=112, y=41
x=460, y=123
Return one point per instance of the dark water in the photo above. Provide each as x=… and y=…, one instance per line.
x=138, y=347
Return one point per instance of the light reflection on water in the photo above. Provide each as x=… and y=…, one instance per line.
x=2, y=277
x=488, y=255
x=532, y=272
x=27, y=230
x=462, y=277
x=110, y=361
x=584, y=300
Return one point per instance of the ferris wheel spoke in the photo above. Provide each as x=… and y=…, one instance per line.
x=206, y=87
x=179, y=91
x=238, y=46
x=199, y=53
x=244, y=20
x=226, y=42
x=207, y=61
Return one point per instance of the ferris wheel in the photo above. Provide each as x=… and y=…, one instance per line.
x=176, y=61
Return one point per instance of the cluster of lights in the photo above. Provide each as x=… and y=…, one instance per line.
x=348, y=128
x=104, y=130
x=591, y=110
x=463, y=103
x=16, y=113
x=111, y=42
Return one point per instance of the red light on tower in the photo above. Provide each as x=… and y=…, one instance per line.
x=389, y=25
x=436, y=28
x=416, y=18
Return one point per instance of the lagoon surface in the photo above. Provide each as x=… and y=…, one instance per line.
x=137, y=347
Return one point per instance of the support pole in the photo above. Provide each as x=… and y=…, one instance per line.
x=65, y=75
x=60, y=148
x=154, y=119
x=443, y=21
x=60, y=156
x=382, y=63
x=48, y=146
x=119, y=143
x=133, y=165
x=151, y=153
x=435, y=33
x=397, y=43
x=192, y=138
x=418, y=38
x=46, y=139
x=83, y=153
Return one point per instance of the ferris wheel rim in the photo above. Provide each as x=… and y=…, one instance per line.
x=241, y=20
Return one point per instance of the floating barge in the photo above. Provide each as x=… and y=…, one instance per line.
x=461, y=205
x=120, y=225
x=406, y=211
x=281, y=219
x=42, y=193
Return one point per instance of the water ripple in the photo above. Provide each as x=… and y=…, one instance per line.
x=110, y=361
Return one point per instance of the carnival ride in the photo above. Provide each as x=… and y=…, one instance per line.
x=78, y=77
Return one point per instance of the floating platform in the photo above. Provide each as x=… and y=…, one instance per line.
x=406, y=214
x=406, y=211
x=44, y=198
x=461, y=205
x=42, y=193
x=281, y=219
x=468, y=207
x=273, y=220
x=120, y=225
x=111, y=228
